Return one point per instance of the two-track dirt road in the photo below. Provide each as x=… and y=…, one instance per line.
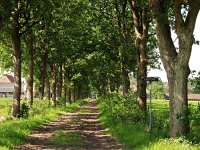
x=84, y=122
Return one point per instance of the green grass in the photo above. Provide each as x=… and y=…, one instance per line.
x=14, y=132
x=61, y=138
x=5, y=106
x=85, y=110
x=136, y=135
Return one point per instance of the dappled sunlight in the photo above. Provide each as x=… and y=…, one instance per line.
x=84, y=122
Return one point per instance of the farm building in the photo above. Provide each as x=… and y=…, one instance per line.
x=7, y=86
x=191, y=97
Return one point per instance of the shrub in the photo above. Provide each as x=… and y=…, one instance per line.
x=124, y=109
x=24, y=111
x=61, y=101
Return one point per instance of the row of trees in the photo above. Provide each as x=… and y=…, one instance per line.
x=77, y=47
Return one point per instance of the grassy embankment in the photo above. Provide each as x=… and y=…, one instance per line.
x=14, y=132
x=131, y=126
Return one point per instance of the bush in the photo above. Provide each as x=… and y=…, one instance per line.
x=24, y=111
x=171, y=144
x=61, y=101
x=124, y=109
x=39, y=107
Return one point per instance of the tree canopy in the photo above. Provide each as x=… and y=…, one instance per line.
x=82, y=48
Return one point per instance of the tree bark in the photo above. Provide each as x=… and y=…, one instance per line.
x=54, y=84
x=176, y=61
x=141, y=26
x=30, y=67
x=43, y=71
x=48, y=89
x=16, y=45
x=125, y=39
x=69, y=96
x=125, y=76
x=60, y=82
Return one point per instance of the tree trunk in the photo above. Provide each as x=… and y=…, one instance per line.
x=103, y=84
x=74, y=94
x=30, y=67
x=60, y=81
x=125, y=40
x=176, y=62
x=125, y=76
x=117, y=84
x=48, y=89
x=16, y=45
x=69, y=96
x=54, y=84
x=179, y=121
x=141, y=26
x=43, y=71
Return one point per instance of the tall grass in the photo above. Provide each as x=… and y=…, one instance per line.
x=14, y=132
x=134, y=133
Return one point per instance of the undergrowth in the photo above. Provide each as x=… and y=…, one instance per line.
x=131, y=126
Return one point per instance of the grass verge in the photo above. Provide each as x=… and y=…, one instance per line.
x=134, y=133
x=14, y=132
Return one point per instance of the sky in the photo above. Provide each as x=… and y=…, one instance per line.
x=194, y=62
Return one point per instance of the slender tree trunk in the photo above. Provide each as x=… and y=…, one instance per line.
x=141, y=26
x=103, y=83
x=141, y=73
x=48, y=89
x=42, y=75
x=60, y=81
x=69, y=96
x=125, y=39
x=117, y=82
x=125, y=76
x=16, y=45
x=74, y=94
x=78, y=92
x=43, y=71
x=54, y=84
x=30, y=67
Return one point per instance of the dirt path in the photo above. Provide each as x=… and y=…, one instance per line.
x=81, y=128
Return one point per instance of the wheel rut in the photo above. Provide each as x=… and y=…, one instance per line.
x=81, y=130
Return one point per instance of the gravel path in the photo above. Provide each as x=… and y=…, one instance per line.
x=90, y=134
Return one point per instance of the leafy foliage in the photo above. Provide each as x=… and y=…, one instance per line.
x=24, y=111
x=124, y=109
x=136, y=135
x=195, y=82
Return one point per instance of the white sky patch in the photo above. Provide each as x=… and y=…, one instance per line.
x=194, y=62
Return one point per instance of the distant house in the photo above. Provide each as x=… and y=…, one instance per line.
x=6, y=85
x=194, y=97
x=191, y=97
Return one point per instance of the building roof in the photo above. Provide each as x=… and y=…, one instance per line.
x=7, y=79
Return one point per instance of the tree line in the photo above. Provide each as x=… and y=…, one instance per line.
x=74, y=48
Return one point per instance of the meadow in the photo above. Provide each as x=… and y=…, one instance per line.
x=131, y=126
